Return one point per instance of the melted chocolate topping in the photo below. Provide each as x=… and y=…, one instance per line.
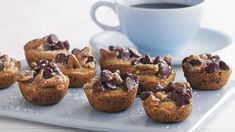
x=181, y=95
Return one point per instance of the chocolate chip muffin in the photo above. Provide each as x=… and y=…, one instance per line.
x=112, y=92
x=151, y=72
x=206, y=71
x=117, y=58
x=44, y=85
x=9, y=69
x=45, y=48
x=79, y=66
x=172, y=103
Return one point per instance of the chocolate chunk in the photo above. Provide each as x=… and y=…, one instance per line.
x=50, y=69
x=145, y=95
x=1, y=66
x=53, y=68
x=106, y=76
x=48, y=73
x=42, y=63
x=75, y=51
x=157, y=60
x=126, y=74
x=58, y=46
x=54, y=46
x=164, y=70
x=146, y=60
x=52, y=39
x=124, y=54
x=90, y=59
x=195, y=62
x=61, y=58
x=157, y=88
x=185, y=59
x=180, y=99
x=212, y=67
x=111, y=48
x=223, y=65
x=170, y=87
x=133, y=53
x=66, y=44
x=97, y=87
x=215, y=58
x=129, y=83
x=48, y=47
x=116, y=48
x=182, y=96
x=110, y=85
x=113, y=80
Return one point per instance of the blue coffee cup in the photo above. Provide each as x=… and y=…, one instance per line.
x=155, y=31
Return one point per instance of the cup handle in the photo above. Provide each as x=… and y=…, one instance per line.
x=94, y=18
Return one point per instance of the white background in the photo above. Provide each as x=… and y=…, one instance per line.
x=22, y=20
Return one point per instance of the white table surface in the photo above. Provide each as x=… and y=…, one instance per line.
x=22, y=20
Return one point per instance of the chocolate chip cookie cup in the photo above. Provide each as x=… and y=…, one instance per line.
x=151, y=72
x=206, y=72
x=118, y=58
x=169, y=104
x=112, y=92
x=9, y=69
x=79, y=66
x=44, y=85
x=45, y=48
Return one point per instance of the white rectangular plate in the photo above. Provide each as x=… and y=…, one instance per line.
x=75, y=111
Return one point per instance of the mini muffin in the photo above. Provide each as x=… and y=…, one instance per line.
x=117, y=58
x=206, y=71
x=45, y=48
x=44, y=85
x=112, y=92
x=9, y=69
x=169, y=104
x=151, y=72
x=78, y=66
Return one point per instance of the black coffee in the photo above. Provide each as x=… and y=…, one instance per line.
x=161, y=5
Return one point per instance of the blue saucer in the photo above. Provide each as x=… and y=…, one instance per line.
x=206, y=41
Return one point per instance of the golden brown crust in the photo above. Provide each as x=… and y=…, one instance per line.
x=207, y=81
x=150, y=81
x=38, y=95
x=77, y=66
x=114, y=64
x=34, y=53
x=110, y=101
x=78, y=77
x=35, y=43
x=166, y=112
x=8, y=76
